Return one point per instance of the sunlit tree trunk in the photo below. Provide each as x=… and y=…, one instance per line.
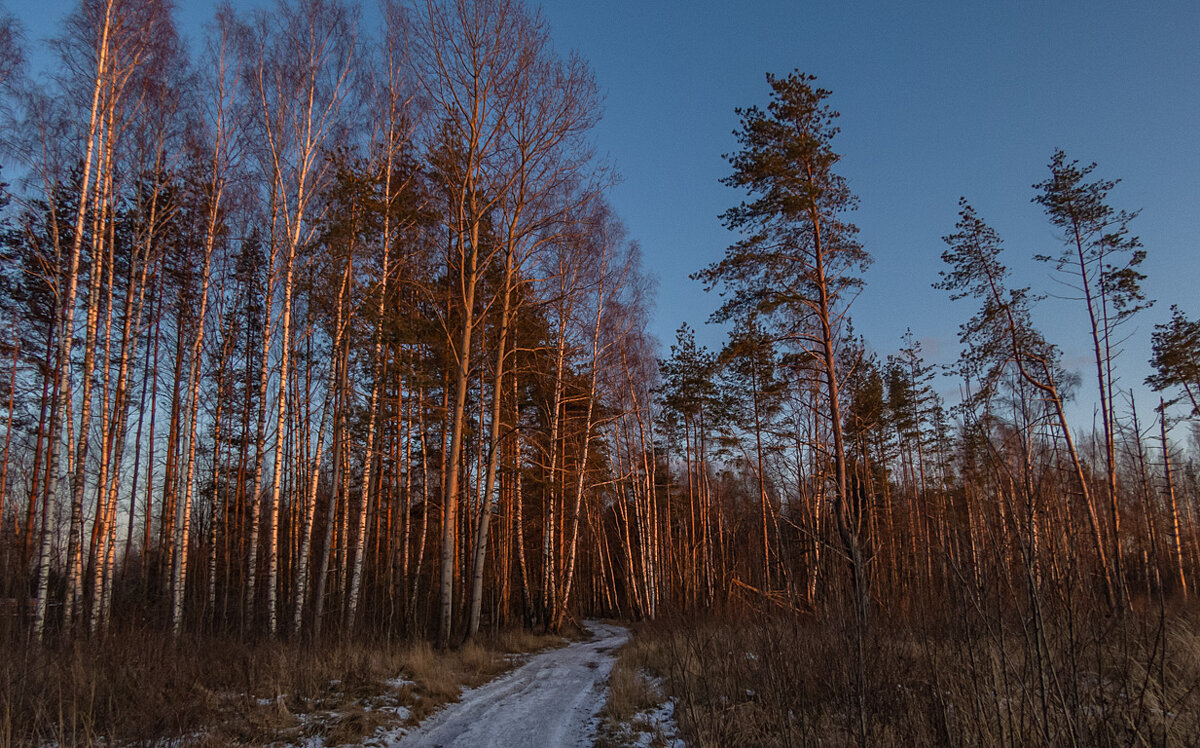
x=66, y=321
x=1173, y=506
x=582, y=470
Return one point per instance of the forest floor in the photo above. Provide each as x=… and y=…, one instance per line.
x=594, y=691
x=917, y=680
x=141, y=686
x=510, y=688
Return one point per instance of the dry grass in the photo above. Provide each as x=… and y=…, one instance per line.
x=634, y=687
x=791, y=682
x=140, y=685
x=631, y=691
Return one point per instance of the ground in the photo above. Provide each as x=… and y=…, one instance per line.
x=552, y=700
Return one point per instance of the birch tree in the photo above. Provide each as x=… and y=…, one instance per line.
x=300, y=71
x=553, y=106
x=474, y=56
x=222, y=150
x=112, y=40
x=393, y=91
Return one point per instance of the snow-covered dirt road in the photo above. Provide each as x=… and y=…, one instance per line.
x=549, y=702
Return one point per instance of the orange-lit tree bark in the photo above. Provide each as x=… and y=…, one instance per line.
x=1001, y=333
x=1102, y=258
x=301, y=61
x=1172, y=503
x=113, y=37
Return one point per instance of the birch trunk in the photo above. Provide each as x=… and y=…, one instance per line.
x=569, y=575
x=480, y=553
x=66, y=328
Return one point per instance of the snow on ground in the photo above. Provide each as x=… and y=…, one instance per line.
x=549, y=702
x=656, y=727
x=394, y=715
x=552, y=701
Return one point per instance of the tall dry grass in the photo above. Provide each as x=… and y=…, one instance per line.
x=141, y=684
x=793, y=681
x=633, y=689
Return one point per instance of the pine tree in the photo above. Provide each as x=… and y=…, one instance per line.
x=1002, y=335
x=1176, y=358
x=753, y=393
x=799, y=260
x=1101, y=258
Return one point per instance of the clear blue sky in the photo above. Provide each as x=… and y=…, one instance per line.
x=938, y=99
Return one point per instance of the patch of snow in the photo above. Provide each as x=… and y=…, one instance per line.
x=401, y=713
x=384, y=735
x=657, y=727
x=550, y=701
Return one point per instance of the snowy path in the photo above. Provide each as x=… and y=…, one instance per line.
x=549, y=702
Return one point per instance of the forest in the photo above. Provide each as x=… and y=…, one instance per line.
x=320, y=337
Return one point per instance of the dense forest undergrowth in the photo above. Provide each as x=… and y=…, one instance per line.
x=142, y=685
x=977, y=678
x=325, y=358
